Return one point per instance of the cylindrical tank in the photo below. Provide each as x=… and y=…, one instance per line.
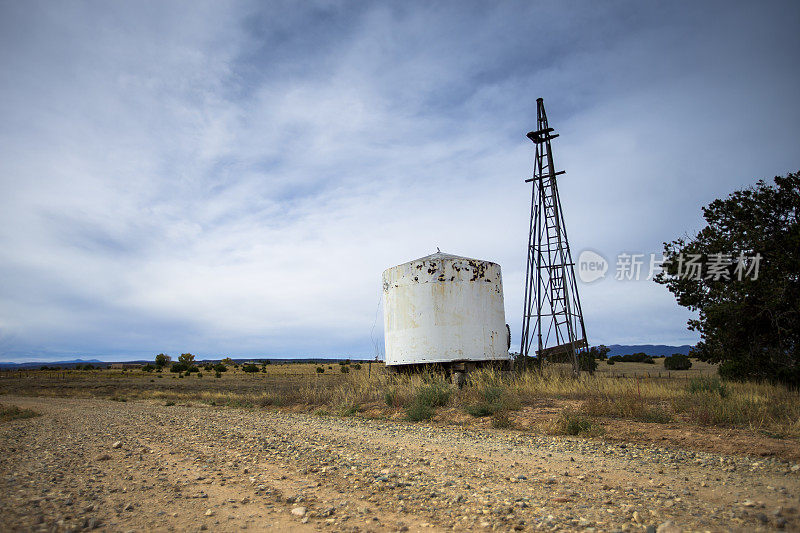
x=444, y=308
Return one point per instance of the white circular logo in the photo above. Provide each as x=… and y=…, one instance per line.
x=591, y=266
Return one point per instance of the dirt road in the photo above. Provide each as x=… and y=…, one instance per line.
x=146, y=466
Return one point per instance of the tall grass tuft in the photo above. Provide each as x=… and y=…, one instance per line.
x=629, y=406
x=432, y=393
x=571, y=422
x=487, y=393
x=707, y=385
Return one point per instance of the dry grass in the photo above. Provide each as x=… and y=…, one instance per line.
x=570, y=422
x=702, y=400
x=12, y=412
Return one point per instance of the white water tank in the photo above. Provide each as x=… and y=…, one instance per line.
x=444, y=308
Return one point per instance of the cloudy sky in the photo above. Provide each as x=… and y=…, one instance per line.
x=232, y=178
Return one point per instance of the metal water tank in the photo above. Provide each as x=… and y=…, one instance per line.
x=444, y=309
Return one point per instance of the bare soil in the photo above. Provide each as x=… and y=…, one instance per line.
x=142, y=465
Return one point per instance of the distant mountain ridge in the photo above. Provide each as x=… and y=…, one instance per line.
x=649, y=349
x=74, y=362
x=49, y=363
x=615, y=349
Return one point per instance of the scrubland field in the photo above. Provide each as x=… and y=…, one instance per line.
x=632, y=446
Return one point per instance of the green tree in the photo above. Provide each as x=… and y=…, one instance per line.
x=162, y=359
x=748, y=319
x=599, y=352
x=677, y=361
x=186, y=359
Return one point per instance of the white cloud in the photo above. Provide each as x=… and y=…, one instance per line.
x=229, y=180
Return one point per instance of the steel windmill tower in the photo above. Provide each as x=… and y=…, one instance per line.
x=552, y=322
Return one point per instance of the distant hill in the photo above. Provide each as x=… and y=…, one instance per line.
x=72, y=362
x=649, y=349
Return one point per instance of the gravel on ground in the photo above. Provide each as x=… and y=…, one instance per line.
x=99, y=464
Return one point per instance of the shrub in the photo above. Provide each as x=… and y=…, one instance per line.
x=611, y=361
x=276, y=399
x=587, y=362
x=677, y=361
x=178, y=367
x=526, y=362
x=501, y=421
x=736, y=370
x=250, y=368
x=418, y=412
x=348, y=409
x=217, y=375
x=479, y=410
x=489, y=403
x=320, y=370
x=748, y=370
x=570, y=422
x=435, y=394
x=191, y=368
x=356, y=366
x=639, y=357
x=12, y=412
x=344, y=369
x=220, y=367
x=146, y=368
x=426, y=398
x=599, y=352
